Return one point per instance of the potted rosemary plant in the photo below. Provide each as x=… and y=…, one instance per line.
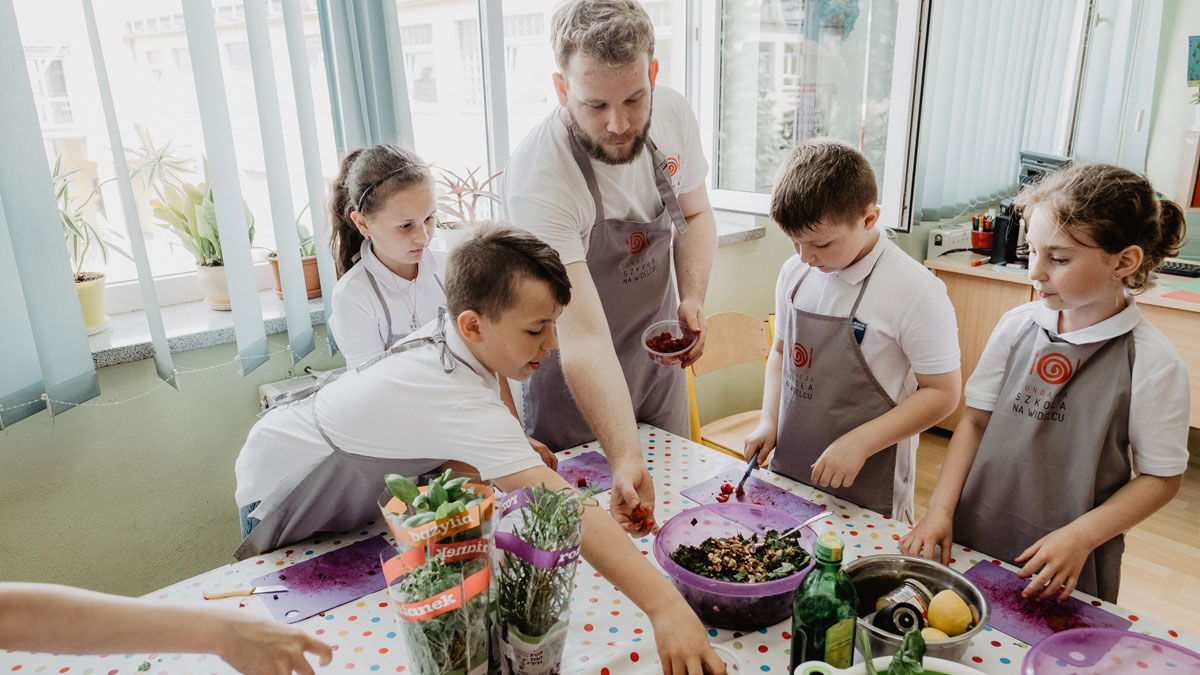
x=84, y=240
x=537, y=550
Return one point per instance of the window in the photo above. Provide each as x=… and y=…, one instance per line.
x=46, y=74
x=799, y=69
x=419, y=62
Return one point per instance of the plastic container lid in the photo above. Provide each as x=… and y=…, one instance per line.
x=1093, y=651
x=830, y=547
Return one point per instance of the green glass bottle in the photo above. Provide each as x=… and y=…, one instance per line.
x=824, y=610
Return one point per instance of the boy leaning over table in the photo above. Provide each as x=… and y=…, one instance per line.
x=317, y=464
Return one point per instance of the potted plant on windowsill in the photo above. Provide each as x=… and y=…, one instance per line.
x=83, y=241
x=308, y=260
x=460, y=203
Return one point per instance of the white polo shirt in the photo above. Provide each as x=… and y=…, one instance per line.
x=359, y=323
x=910, y=324
x=1159, y=404
x=543, y=190
x=403, y=407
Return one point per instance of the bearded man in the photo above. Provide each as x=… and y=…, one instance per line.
x=613, y=179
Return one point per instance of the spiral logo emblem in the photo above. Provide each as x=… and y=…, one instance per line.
x=637, y=241
x=1054, y=368
x=800, y=356
x=672, y=165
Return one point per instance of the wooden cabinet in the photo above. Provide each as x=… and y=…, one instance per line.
x=981, y=295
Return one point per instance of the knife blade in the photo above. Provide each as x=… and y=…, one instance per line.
x=214, y=594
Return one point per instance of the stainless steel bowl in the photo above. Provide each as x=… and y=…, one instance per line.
x=875, y=575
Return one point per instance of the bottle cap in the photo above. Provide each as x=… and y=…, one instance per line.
x=829, y=547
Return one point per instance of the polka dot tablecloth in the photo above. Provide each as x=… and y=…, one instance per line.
x=608, y=633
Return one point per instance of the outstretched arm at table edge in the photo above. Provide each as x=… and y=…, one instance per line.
x=598, y=385
x=1055, y=560
x=65, y=620
x=936, y=528
x=681, y=639
x=936, y=396
x=763, y=436
x=694, y=251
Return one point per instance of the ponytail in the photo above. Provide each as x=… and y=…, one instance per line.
x=365, y=180
x=1174, y=229
x=345, y=239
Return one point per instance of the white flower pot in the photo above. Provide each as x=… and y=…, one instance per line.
x=213, y=286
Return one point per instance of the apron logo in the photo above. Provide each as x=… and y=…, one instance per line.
x=800, y=356
x=637, y=241
x=672, y=165
x=1054, y=368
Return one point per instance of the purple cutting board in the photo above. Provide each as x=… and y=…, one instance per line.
x=590, y=466
x=1027, y=619
x=757, y=490
x=329, y=580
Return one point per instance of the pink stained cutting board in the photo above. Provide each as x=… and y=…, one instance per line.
x=1031, y=621
x=326, y=581
x=590, y=466
x=757, y=490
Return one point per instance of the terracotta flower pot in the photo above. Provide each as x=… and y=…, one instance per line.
x=312, y=279
x=91, y=301
x=213, y=286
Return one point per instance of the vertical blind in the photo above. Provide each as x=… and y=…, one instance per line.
x=999, y=79
x=44, y=351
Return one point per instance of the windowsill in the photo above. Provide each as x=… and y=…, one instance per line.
x=733, y=228
x=193, y=325
x=189, y=325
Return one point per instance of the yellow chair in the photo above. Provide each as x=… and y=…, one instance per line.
x=732, y=338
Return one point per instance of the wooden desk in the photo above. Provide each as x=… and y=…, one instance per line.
x=981, y=295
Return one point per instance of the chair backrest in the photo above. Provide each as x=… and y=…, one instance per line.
x=732, y=338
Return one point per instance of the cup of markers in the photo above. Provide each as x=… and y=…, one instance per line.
x=981, y=231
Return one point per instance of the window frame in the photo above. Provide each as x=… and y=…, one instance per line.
x=903, y=113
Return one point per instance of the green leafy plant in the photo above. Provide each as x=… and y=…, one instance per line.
x=907, y=661
x=185, y=209
x=461, y=200
x=81, y=235
x=456, y=641
x=1196, y=97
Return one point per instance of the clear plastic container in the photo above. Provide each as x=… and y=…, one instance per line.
x=677, y=331
x=727, y=604
x=1093, y=651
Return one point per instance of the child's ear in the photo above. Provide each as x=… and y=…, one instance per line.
x=871, y=216
x=361, y=223
x=470, y=326
x=1129, y=261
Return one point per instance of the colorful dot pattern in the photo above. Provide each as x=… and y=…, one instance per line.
x=608, y=634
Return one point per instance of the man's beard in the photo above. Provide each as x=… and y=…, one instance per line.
x=596, y=151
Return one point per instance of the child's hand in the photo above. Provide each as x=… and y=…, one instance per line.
x=633, y=494
x=840, y=463
x=935, y=529
x=548, y=458
x=763, y=437
x=262, y=647
x=1054, y=562
x=682, y=641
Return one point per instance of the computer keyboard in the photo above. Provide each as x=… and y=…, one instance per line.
x=1179, y=268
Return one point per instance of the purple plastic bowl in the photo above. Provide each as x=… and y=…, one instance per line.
x=726, y=604
x=1093, y=651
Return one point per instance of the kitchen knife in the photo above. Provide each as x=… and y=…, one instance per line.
x=214, y=594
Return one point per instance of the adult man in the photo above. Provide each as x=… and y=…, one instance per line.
x=614, y=181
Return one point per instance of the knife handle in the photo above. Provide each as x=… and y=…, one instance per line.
x=216, y=594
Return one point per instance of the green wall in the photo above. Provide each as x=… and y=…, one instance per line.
x=136, y=496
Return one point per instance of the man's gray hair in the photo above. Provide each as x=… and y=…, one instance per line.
x=614, y=32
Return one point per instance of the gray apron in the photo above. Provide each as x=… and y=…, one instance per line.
x=341, y=490
x=630, y=263
x=393, y=337
x=828, y=390
x=1056, y=447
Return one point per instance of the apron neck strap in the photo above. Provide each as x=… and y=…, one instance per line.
x=438, y=339
x=861, y=291
x=589, y=174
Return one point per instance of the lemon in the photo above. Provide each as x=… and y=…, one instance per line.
x=931, y=633
x=949, y=613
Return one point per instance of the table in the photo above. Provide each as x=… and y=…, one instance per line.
x=608, y=634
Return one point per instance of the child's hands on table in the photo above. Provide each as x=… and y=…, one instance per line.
x=1054, y=562
x=935, y=529
x=840, y=463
